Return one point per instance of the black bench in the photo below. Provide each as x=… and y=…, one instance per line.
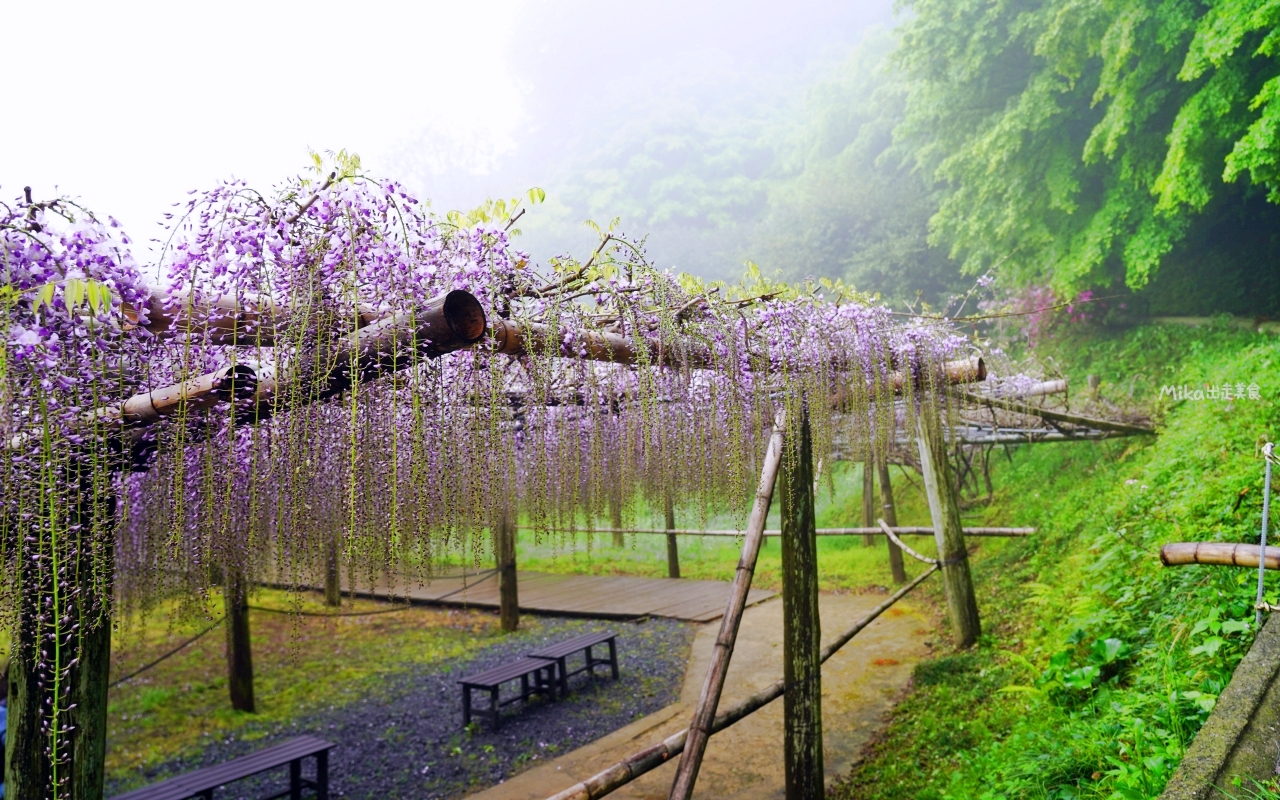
x=202, y=782
x=560, y=653
x=544, y=682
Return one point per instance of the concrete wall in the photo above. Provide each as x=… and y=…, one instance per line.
x=1242, y=736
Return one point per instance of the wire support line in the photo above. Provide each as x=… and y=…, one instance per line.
x=487, y=575
x=301, y=613
x=174, y=651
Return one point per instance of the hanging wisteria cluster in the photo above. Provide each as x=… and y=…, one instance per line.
x=330, y=374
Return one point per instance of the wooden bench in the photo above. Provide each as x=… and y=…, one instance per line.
x=202, y=782
x=560, y=653
x=544, y=682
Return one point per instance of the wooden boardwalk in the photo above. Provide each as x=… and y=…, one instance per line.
x=609, y=596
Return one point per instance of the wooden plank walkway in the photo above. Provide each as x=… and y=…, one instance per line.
x=608, y=596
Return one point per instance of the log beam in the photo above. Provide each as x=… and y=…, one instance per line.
x=1056, y=416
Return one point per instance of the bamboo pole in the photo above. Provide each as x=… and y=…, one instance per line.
x=801, y=625
x=890, y=518
x=1057, y=386
x=1223, y=554
x=868, y=500
x=957, y=580
x=722, y=651
x=673, y=548
x=632, y=767
x=505, y=552
x=1055, y=416
x=900, y=530
x=966, y=370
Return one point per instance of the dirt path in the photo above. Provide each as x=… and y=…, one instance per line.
x=744, y=762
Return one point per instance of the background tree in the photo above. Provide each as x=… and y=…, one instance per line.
x=1090, y=143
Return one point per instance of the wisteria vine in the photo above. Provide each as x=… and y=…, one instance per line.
x=161, y=438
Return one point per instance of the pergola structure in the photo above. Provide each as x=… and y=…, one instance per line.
x=610, y=367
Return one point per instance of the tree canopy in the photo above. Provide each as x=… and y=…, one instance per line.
x=1078, y=140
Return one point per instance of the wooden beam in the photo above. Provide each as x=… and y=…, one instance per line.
x=516, y=339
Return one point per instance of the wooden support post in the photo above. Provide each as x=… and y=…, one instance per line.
x=505, y=551
x=28, y=772
x=89, y=681
x=944, y=507
x=801, y=628
x=615, y=513
x=890, y=515
x=704, y=715
x=77, y=670
x=673, y=550
x=868, y=500
x=235, y=594
x=332, y=584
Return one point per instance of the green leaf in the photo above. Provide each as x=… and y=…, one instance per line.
x=44, y=296
x=73, y=293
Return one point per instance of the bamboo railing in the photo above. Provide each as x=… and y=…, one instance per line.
x=900, y=530
x=1223, y=554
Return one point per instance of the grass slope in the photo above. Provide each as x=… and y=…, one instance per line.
x=1098, y=665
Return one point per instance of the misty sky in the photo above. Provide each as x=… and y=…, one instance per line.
x=130, y=105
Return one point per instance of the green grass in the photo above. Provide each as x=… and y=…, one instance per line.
x=1098, y=665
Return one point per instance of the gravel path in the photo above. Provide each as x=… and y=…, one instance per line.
x=404, y=737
